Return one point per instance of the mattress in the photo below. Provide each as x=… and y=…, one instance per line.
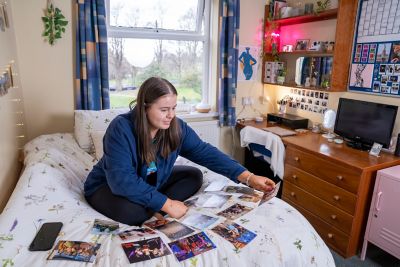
x=50, y=189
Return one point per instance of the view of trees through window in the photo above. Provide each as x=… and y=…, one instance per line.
x=133, y=59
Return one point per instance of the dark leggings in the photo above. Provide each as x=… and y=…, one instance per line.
x=183, y=183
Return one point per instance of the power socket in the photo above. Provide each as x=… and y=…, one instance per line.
x=247, y=101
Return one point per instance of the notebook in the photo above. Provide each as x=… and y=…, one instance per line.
x=280, y=131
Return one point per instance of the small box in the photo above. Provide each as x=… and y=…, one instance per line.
x=288, y=120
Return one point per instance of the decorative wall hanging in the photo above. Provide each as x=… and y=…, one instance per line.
x=375, y=65
x=54, y=23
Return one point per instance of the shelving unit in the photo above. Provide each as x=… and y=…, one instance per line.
x=328, y=14
x=345, y=15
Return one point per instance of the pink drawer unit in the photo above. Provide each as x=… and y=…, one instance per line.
x=383, y=227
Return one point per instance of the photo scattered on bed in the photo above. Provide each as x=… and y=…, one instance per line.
x=74, y=250
x=234, y=211
x=103, y=227
x=212, y=200
x=199, y=221
x=175, y=230
x=234, y=233
x=190, y=202
x=254, y=197
x=156, y=223
x=133, y=234
x=191, y=246
x=269, y=195
x=144, y=250
x=239, y=189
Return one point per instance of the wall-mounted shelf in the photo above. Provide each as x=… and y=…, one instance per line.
x=328, y=14
x=306, y=53
x=294, y=85
x=344, y=33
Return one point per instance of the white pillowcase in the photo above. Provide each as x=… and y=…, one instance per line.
x=87, y=121
x=97, y=138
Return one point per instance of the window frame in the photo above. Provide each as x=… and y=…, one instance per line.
x=163, y=34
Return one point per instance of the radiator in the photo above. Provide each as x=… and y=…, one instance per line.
x=208, y=131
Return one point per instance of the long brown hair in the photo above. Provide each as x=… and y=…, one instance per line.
x=166, y=140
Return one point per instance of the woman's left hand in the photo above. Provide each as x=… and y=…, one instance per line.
x=261, y=183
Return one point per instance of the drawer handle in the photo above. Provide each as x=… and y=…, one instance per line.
x=333, y=217
x=339, y=177
x=330, y=236
x=336, y=197
x=297, y=159
x=292, y=194
x=294, y=176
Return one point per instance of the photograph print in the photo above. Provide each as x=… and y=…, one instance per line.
x=137, y=233
x=74, y=250
x=234, y=211
x=191, y=246
x=361, y=75
x=144, y=250
x=382, y=55
x=174, y=230
x=234, y=233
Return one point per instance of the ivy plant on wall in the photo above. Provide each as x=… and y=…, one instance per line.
x=54, y=23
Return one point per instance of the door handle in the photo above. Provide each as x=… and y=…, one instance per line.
x=378, y=201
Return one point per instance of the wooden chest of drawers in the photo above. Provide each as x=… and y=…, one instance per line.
x=331, y=185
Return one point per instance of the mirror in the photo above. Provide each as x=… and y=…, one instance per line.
x=329, y=123
x=313, y=71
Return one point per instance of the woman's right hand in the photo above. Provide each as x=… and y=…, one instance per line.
x=174, y=208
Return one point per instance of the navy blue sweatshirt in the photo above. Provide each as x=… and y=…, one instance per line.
x=121, y=167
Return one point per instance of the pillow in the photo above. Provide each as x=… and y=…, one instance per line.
x=97, y=138
x=87, y=121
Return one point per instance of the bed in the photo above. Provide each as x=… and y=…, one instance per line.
x=51, y=189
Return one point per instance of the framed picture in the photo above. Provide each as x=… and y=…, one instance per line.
x=302, y=44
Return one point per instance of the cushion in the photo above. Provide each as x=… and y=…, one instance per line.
x=87, y=121
x=97, y=138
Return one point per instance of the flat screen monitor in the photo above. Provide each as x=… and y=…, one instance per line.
x=365, y=122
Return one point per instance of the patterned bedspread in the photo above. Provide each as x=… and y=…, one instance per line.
x=51, y=189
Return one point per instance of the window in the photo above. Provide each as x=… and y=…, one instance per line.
x=166, y=38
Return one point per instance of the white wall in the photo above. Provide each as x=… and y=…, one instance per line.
x=250, y=34
x=46, y=71
x=11, y=115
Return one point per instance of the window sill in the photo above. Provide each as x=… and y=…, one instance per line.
x=197, y=116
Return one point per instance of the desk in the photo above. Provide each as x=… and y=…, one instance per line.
x=331, y=185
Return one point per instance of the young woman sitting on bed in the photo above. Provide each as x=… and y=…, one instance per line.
x=136, y=177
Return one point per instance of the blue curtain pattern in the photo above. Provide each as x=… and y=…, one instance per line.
x=229, y=17
x=91, y=88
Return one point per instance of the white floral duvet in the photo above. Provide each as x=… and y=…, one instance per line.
x=51, y=189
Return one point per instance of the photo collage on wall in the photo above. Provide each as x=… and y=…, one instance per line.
x=382, y=76
x=375, y=65
x=309, y=100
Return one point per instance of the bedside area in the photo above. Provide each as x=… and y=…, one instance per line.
x=331, y=185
